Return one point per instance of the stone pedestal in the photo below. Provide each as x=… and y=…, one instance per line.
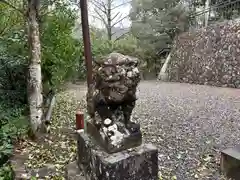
x=139, y=163
x=230, y=162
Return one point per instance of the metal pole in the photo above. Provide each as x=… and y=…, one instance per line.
x=86, y=40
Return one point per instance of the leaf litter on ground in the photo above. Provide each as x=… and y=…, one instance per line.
x=58, y=148
x=170, y=118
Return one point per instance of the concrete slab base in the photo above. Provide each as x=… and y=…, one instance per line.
x=139, y=163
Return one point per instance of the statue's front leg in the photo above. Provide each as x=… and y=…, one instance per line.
x=103, y=111
x=127, y=108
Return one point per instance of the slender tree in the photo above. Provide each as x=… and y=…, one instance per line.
x=35, y=98
x=34, y=82
x=106, y=11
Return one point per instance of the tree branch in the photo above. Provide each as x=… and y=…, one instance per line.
x=119, y=21
x=115, y=16
x=118, y=30
x=13, y=7
x=101, y=18
x=118, y=38
x=115, y=7
x=100, y=6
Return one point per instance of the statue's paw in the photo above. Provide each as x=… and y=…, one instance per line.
x=133, y=127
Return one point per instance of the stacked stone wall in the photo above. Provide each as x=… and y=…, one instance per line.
x=208, y=56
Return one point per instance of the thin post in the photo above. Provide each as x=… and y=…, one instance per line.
x=86, y=40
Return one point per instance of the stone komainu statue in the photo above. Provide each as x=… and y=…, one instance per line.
x=113, y=92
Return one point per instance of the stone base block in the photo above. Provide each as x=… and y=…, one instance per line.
x=230, y=162
x=139, y=163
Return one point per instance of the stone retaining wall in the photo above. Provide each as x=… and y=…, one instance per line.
x=208, y=56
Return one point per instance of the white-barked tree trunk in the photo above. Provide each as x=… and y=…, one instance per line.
x=163, y=74
x=35, y=98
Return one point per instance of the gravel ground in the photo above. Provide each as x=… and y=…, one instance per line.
x=190, y=125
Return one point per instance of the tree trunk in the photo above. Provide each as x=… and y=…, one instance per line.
x=109, y=21
x=35, y=98
x=207, y=12
x=162, y=74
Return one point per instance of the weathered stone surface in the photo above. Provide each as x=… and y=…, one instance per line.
x=132, y=140
x=230, y=162
x=110, y=102
x=139, y=163
x=208, y=56
x=115, y=79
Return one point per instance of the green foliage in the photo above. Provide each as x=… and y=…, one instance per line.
x=128, y=46
x=6, y=172
x=155, y=23
x=13, y=56
x=102, y=46
x=13, y=125
x=9, y=18
x=61, y=54
x=13, y=79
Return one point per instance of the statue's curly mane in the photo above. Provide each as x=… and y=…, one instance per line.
x=115, y=79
